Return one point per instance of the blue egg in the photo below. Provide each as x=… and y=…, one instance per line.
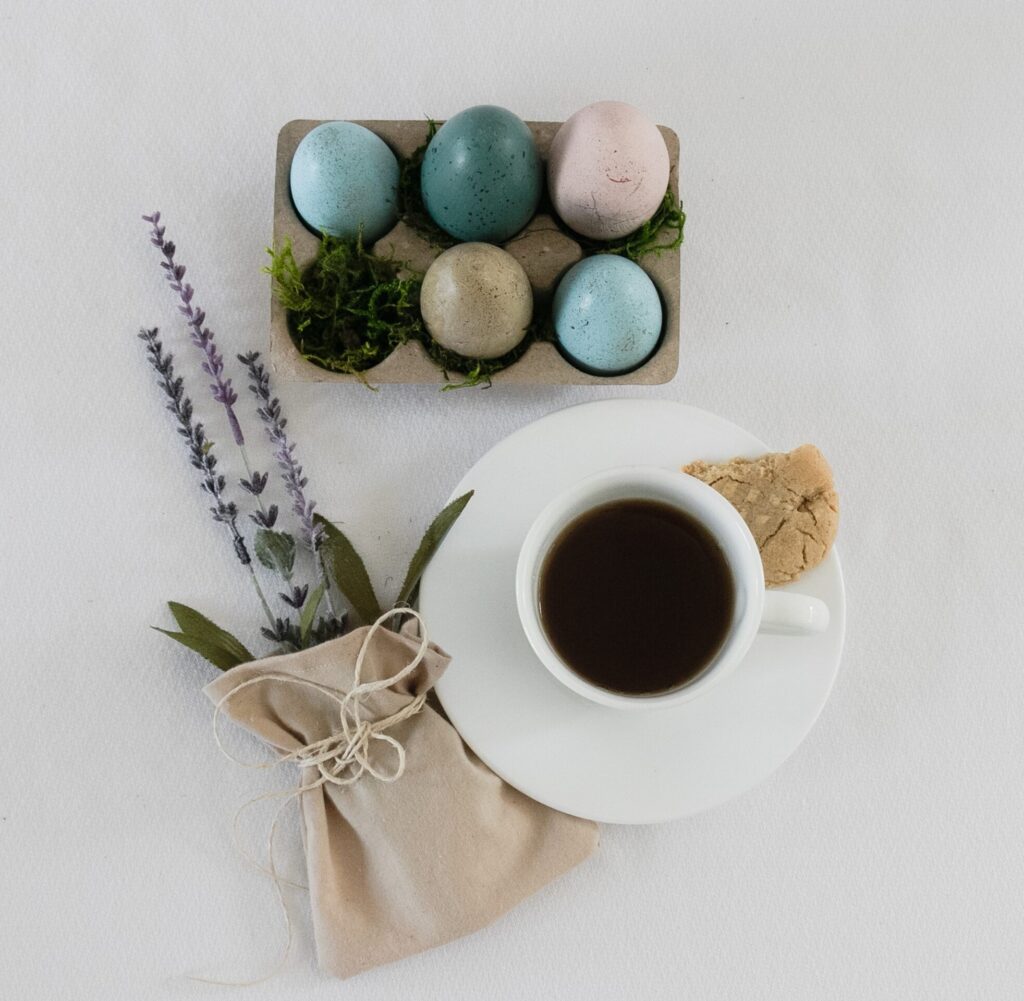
x=481, y=176
x=607, y=315
x=344, y=178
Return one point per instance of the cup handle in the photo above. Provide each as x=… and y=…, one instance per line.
x=789, y=613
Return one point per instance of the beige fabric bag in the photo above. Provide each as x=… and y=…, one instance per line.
x=398, y=867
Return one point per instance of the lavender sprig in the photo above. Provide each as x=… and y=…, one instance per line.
x=200, y=451
x=296, y=596
x=283, y=631
x=213, y=364
x=202, y=336
x=269, y=411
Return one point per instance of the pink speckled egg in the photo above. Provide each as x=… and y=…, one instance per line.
x=607, y=170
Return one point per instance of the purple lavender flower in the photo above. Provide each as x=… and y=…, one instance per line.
x=285, y=632
x=201, y=455
x=265, y=517
x=311, y=534
x=199, y=448
x=202, y=336
x=213, y=365
x=296, y=596
x=269, y=411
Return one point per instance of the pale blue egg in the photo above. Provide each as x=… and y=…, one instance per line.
x=607, y=315
x=481, y=176
x=343, y=178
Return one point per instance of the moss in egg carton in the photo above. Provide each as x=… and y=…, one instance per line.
x=348, y=310
x=661, y=233
x=411, y=209
x=377, y=335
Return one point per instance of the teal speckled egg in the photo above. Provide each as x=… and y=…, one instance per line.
x=481, y=176
x=607, y=315
x=344, y=177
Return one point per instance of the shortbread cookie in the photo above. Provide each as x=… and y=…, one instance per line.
x=789, y=502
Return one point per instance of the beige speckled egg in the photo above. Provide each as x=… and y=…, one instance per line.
x=607, y=170
x=476, y=300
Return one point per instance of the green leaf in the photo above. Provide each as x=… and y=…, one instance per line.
x=432, y=538
x=276, y=551
x=309, y=611
x=216, y=655
x=202, y=635
x=349, y=572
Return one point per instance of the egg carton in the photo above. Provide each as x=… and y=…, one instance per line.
x=542, y=248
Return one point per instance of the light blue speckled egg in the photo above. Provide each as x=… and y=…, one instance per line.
x=481, y=176
x=344, y=177
x=607, y=315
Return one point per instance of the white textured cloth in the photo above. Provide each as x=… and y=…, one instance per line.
x=852, y=277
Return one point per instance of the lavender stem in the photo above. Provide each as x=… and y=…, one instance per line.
x=269, y=411
x=203, y=338
x=200, y=454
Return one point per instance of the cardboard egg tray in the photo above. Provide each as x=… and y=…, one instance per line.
x=544, y=251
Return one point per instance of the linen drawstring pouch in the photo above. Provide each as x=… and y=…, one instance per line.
x=410, y=840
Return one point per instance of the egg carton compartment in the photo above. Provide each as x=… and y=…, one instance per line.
x=543, y=249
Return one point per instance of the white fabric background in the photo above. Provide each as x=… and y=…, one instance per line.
x=851, y=276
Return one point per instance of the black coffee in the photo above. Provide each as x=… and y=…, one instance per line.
x=636, y=596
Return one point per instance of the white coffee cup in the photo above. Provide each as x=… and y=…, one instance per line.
x=754, y=608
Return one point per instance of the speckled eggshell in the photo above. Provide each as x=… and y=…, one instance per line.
x=476, y=301
x=344, y=177
x=607, y=170
x=607, y=315
x=482, y=176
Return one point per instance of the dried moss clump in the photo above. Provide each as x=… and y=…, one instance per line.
x=348, y=310
x=662, y=232
x=471, y=371
x=411, y=209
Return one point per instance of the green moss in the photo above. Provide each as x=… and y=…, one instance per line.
x=471, y=371
x=411, y=209
x=348, y=310
x=661, y=233
x=478, y=371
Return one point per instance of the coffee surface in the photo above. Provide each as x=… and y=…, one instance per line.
x=636, y=596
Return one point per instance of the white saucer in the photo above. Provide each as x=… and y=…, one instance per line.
x=559, y=748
